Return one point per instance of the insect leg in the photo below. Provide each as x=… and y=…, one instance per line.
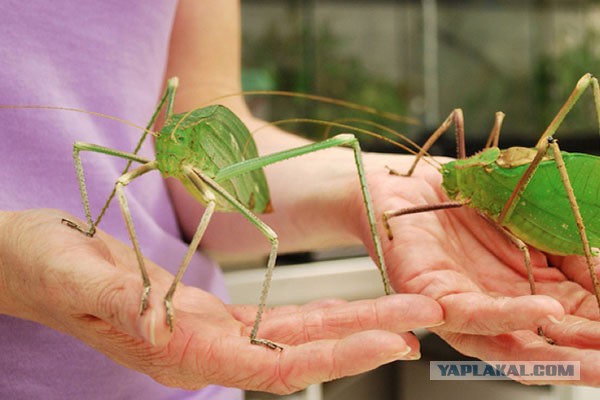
x=456, y=117
x=494, y=137
x=123, y=181
x=521, y=185
x=343, y=140
x=204, y=221
x=522, y=248
x=201, y=181
x=584, y=82
x=564, y=176
x=526, y=257
x=168, y=98
x=78, y=147
x=542, y=144
x=353, y=142
x=414, y=210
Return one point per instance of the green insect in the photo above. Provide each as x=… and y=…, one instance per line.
x=214, y=156
x=536, y=196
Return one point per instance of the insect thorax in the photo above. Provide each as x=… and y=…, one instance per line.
x=473, y=179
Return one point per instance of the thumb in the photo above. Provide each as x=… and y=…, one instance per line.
x=116, y=299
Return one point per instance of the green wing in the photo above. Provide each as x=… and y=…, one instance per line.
x=543, y=217
x=210, y=139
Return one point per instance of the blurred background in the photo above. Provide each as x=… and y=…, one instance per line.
x=417, y=59
x=422, y=59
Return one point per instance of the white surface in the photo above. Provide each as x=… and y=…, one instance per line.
x=350, y=279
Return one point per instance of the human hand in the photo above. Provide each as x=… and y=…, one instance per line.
x=90, y=288
x=478, y=277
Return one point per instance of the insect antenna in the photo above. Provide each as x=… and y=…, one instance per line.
x=82, y=111
x=313, y=97
x=327, y=100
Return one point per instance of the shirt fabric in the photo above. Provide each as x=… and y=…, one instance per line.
x=109, y=57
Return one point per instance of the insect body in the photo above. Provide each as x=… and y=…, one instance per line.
x=211, y=139
x=212, y=153
x=489, y=178
x=538, y=196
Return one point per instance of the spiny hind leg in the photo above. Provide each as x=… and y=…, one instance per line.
x=547, y=139
x=584, y=82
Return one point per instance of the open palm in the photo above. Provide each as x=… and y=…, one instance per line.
x=90, y=288
x=479, y=278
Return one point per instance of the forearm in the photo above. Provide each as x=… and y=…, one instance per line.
x=313, y=198
x=311, y=195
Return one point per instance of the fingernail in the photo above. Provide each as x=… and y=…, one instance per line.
x=404, y=354
x=415, y=356
x=435, y=325
x=549, y=318
x=151, y=334
x=553, y=319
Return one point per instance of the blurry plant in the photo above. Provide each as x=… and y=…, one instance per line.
x=299, y=60
x=555, y=77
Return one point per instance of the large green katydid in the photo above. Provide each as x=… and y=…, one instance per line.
x=214, y=156
x=536, y=196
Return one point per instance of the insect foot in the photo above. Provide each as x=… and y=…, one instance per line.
x=541, y=333
x=386, y=224
x=170, y=314
x=144, y=302
x=87, y=232
x=267, y=343
x=392, y=171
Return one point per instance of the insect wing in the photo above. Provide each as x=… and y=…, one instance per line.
x=213, y=138
x=543, y=217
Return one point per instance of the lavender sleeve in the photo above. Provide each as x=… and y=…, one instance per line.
x=109, y=58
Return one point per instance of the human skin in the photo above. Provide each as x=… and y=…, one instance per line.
x=460, y=271
x=454, y=257
x=90, y=288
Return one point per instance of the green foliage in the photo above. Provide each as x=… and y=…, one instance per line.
x=301, y=61
x=555, y=76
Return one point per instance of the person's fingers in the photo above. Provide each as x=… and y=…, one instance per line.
x=575, y=332
x=296, y=367
x=116, y=297
x=69, y=278
x=331, y=359
x=246, y=313
x=574, y=298
x=396, y=313
x=478, y=313
x=575, y=268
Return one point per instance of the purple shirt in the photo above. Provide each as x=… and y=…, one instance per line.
x=109, y=57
